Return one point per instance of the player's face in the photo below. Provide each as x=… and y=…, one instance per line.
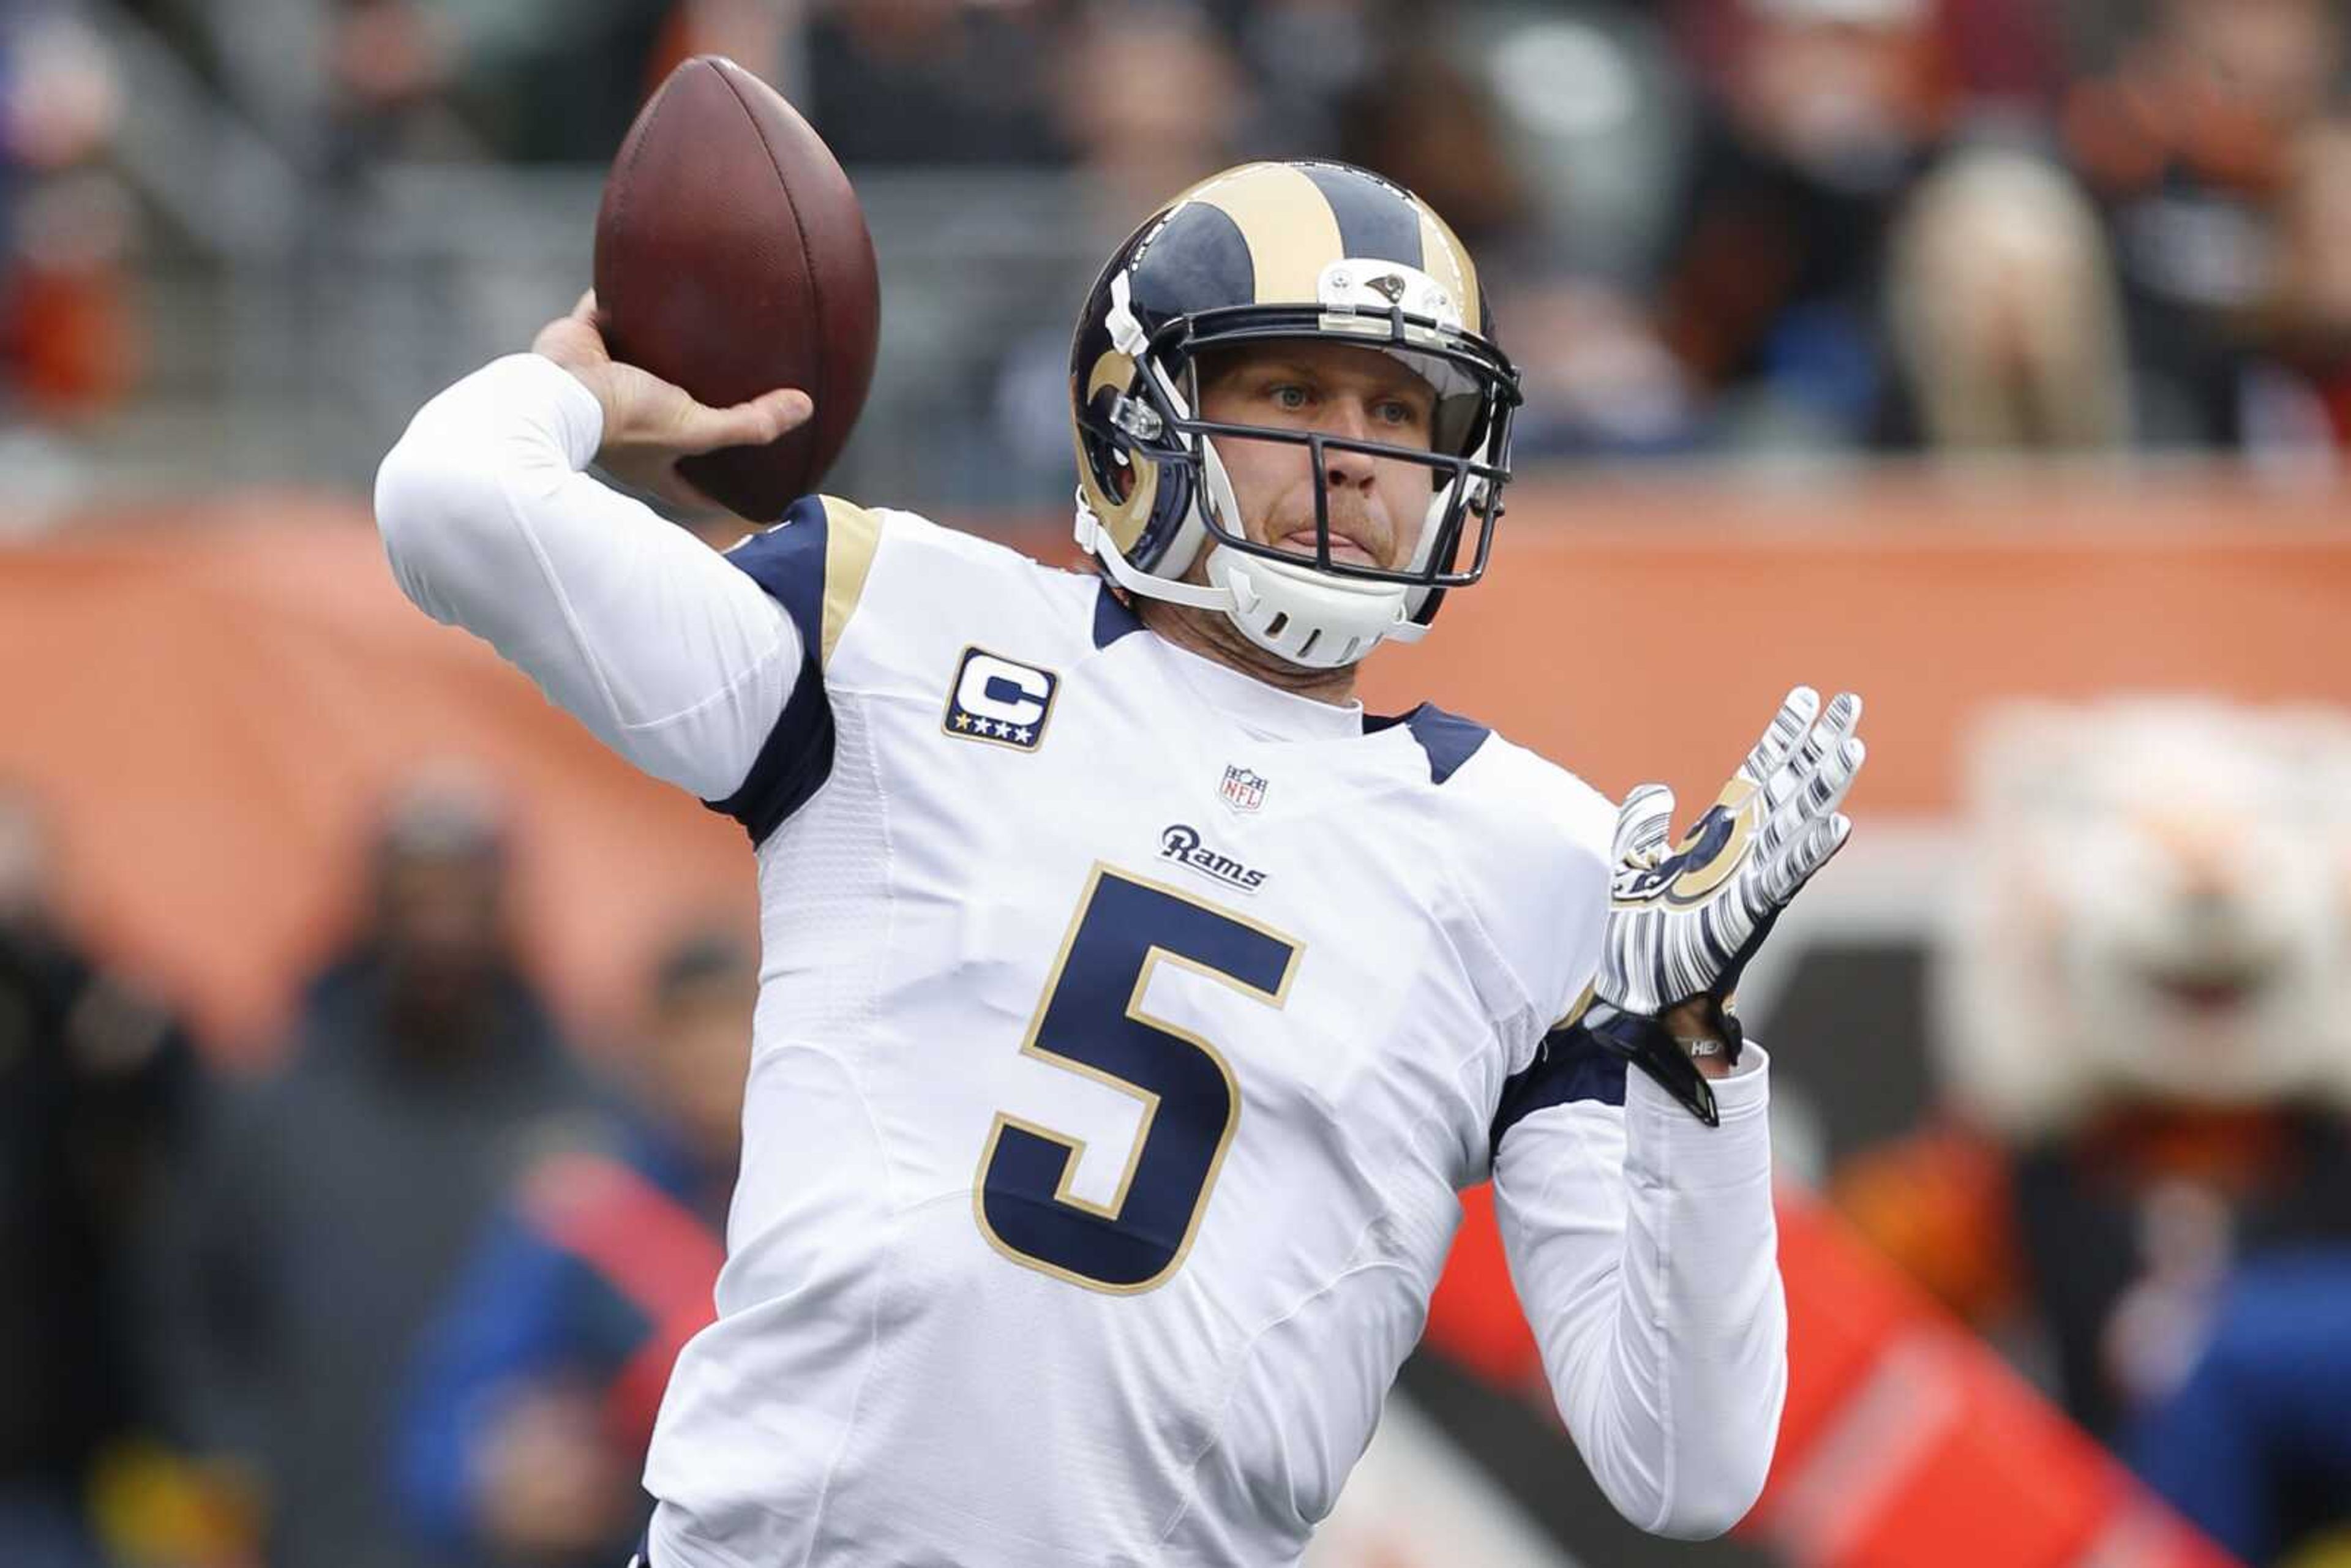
x=1376, y=503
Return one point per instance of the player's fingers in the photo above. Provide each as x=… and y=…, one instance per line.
x=752, y=424
x=584, y=307
x=570, y=343
x=1787, y=727
x=1818, y=799
x=1831, y=783
x=1643, y=822
x=1840, y=719
x=1777, y=878
x=1816, y=796
x=1820, y=743
x=1791, y=872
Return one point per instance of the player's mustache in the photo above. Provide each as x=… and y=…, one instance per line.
x=1349, y=518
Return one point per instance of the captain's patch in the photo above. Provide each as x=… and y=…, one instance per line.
x=999, y=701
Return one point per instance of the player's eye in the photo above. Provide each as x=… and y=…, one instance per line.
x=1287, y=396
x=1396, y=412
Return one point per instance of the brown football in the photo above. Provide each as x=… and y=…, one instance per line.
x=732, y=259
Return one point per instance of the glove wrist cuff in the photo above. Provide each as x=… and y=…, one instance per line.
x=1646, y=1043
x=1724, y=1024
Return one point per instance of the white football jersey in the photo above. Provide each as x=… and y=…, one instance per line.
x=1126, y=1029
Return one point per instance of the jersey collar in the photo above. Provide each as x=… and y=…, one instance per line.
x=1266, y=711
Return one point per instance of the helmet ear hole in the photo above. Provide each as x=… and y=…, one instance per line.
x=1114, y=470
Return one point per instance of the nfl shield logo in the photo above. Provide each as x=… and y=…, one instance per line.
x=1242, y=790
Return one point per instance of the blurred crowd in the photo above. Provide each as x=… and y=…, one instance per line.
x=2137, y=1176
x=1718, y=225
x=408, y=1297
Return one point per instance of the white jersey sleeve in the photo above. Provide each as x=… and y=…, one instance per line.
x=1641, y=1242
x=1643, y=1246
x=672, y=657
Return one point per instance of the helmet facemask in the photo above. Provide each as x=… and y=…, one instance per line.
x=1311, y=609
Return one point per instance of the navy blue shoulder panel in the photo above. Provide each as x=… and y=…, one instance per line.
x=1114, y=617
x=788, y=560
x=1569, y=1065
x=1449, y=739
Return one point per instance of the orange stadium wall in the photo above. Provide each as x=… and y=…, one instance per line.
x=213, y=704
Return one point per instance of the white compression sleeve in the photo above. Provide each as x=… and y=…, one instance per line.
x=672, y=657
x=1644, y=1249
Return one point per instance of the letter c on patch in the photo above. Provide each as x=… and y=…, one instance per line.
x=1000, y=689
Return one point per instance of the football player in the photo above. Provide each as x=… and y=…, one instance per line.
x=1134, y=1003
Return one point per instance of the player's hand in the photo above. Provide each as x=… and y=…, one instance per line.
x=1684, y=920
x=649, y=424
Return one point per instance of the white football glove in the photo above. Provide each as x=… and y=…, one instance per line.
x=1683, y=922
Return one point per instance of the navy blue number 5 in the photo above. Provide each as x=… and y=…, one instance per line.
x=1090, y=1021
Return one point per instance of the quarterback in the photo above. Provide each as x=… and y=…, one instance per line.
x=1133, y=1004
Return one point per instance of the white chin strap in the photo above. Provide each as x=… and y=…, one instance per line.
x=1306, y=617
x=1289, y=609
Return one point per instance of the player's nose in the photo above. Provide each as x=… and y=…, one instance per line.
x=1343, y=466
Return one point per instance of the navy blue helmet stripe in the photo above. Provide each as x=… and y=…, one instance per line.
x=1198, y=261
x=1374, y=220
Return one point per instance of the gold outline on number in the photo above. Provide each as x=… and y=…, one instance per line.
x=955, y=699
x=1152, y=958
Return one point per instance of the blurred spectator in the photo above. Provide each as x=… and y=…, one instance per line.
x=932, y=82
x=535, y=1395
x=548, y=81
x=2295, y=394
x=1151, y=100
x=337, y=1200
x=340, y=84
x=2254, y=1446
x=1597, y=379
x=761, y=35
x=526, y=80
x=1435, y=129
x=1309, y=59
x=2006, y=331
x=1829, y=113
x=2145, y=1032
x=2187, y=144
x=68, y=338
x=95, y=1089
x=2009, y=52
